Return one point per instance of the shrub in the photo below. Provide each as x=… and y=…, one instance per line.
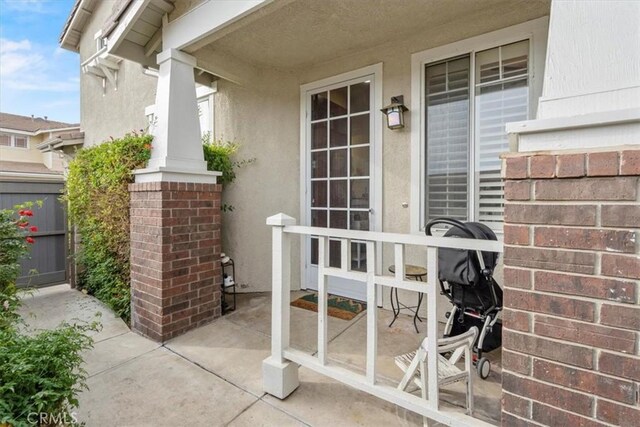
x=218, y=155
x=98, y=203
x=14, y=242
x=38, y=373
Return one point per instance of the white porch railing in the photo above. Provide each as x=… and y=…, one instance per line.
x=280, y=376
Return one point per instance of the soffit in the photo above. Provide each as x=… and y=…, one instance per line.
x=305, y=32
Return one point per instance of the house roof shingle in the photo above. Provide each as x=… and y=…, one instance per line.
x=31, y=124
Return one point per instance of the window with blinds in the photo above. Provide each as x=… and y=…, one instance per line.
x=447, y=162
x=498, y=90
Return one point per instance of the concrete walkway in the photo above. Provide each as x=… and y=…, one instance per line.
x=212, y=375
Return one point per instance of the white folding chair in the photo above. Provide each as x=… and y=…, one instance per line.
x=414, y=364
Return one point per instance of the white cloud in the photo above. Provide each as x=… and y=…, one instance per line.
x=30, y=6
x=7, y=45
x=26, y=66
x=17, y=57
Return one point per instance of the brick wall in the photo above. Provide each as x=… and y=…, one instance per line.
x=571, y=342
x=175, y=257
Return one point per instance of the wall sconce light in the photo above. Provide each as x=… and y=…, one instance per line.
x=395, y=112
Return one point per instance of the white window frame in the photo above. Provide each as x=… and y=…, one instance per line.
x=12, y=140
x=535, y=31
x=204, y=93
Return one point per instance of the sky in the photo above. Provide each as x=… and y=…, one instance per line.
x=36, y=75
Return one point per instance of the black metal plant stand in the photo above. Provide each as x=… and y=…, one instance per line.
x=228, y=285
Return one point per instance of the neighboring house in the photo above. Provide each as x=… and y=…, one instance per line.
x=300, y=84
x=28, y=146
x=33, y=153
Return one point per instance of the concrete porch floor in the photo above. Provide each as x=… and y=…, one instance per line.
x=212, y=375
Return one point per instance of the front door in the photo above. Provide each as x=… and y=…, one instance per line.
x=340, y=174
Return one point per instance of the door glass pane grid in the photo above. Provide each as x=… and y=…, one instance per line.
x=347, y=159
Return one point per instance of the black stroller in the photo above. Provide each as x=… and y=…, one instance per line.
x=466, y=279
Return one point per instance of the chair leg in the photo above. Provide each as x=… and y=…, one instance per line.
x=470, y=394
x=423, y=378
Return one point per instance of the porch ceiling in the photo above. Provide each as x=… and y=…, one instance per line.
x=304, y=32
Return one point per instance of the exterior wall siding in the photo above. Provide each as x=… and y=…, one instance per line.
x=175, y=257
x=111, y=113
x=571, y=353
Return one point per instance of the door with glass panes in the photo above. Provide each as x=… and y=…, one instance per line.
x=339, y=153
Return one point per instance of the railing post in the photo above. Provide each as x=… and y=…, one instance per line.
x=279, y=376
x=432, y=325
x=372, y=314
x=323, y=262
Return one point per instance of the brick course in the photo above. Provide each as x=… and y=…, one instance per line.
x=571, y=324
x=175, y=247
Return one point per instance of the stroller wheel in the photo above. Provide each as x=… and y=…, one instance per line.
x=484, y=368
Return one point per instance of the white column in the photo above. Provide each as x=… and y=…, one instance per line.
x=591, y=93
x=177, y=146
x=279, y=376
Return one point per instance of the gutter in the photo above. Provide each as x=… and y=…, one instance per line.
x=27, y=176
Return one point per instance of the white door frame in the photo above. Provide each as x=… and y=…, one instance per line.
x=375, y=71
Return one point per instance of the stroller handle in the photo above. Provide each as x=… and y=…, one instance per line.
x=462, y=226
x=448, y=221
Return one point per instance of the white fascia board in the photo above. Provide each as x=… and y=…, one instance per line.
x=206, y=19
x=17, y=132
x=79, y=11
x=72, y=128
x=26, y=176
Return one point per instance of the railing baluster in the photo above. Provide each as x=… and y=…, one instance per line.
x=323, y=262
x=399, y=261
x=432, y=325
x=372, y=314
x=345, y=254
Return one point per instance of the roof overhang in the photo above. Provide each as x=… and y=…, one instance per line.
x=75, y=24
x=62, y=142
x=39, y=131
x=32, y=177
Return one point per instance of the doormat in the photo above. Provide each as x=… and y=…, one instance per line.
x=340, y=307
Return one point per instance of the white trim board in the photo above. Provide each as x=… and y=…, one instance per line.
x=536, y=31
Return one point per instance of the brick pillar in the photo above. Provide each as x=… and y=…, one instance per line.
x=175, y=257
x=571, y=353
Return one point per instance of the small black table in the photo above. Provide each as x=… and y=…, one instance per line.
x=411, y=272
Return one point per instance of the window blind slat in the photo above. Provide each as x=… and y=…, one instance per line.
x=447, y=151
x=497, y=103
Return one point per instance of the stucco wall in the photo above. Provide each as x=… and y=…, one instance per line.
x=265, y=119
x=117, y=111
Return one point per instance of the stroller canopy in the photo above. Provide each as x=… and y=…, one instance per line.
x=462, y=266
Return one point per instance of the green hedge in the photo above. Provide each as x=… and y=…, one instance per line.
x=98, y=202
